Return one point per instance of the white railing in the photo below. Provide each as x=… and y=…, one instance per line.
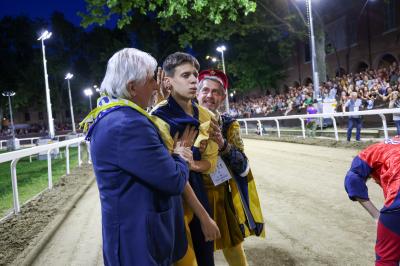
x=15, y=156
x=3, y=142
x=276, y=119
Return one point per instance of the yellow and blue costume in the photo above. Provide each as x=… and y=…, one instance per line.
x=171, y=118
x=140, y=184
x=234, y=204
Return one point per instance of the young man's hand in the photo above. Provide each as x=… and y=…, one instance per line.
x=183, y=145
x=210, y=229
x=187, y=138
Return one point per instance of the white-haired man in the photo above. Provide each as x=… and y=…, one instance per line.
x=139, y=181
x=235, y=204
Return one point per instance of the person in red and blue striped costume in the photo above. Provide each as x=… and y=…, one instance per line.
x=380, y=161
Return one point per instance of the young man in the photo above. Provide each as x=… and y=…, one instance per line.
x=175, y=114
x=236, y=207
x=381, y=161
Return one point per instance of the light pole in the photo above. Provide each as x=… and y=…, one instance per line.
x=221, y=49
x=12, y=144
x=42, y=38
x=366, y=5
x=10, y=94
x=313, y=52
x=68, y=77
x=88, y=92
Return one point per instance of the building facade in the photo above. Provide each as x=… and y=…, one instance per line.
x=359, y=34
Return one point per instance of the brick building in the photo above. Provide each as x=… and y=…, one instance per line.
x=360, y=34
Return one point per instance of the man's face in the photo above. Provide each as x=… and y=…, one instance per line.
x=144, y=95
x=211, y=95
x=184, y=81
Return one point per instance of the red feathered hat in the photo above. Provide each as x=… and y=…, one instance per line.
x=215, y=75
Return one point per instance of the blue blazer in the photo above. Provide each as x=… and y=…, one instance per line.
x=140, y=185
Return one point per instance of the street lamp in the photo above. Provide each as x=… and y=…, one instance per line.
x=14, y=145
x=68, y=77
x=368, y=32
x=10, y=94
x=313, y=53
x=211, y=58
x=88, y=92
x=42, y=38
x=221, y=49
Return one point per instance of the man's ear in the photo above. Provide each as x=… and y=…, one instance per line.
x=131, y=88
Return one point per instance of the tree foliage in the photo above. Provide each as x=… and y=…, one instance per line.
x=260, y=33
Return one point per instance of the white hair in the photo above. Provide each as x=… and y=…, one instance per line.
x=127, y=65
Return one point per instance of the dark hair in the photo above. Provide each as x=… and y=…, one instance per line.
x=176, y=59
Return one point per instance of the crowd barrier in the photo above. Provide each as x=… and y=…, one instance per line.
x=15, y=156
x=380, y=112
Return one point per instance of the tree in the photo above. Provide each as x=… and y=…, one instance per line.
x=171, y=15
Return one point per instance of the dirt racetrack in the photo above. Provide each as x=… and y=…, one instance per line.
x=309, y=219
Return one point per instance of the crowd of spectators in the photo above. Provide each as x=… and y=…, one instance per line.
x=26, y=130
x=374, y=88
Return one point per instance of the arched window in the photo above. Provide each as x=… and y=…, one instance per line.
x=340, y=72
x=307, y=81
x=386, y=60
x=361, y=67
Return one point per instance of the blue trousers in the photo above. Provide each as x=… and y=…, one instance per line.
x=397, y=123
x=354, y=122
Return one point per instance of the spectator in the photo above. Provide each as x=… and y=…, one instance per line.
x=354, y=104
x=311, y=123
x=395, y=103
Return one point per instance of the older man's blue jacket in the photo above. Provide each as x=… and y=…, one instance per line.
x=140, y=185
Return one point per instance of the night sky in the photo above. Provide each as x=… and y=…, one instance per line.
x=44, y=9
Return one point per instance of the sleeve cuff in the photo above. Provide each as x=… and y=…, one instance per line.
x=246, y=171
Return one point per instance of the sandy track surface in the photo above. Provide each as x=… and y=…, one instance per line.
x=309, y=219
x=78, y=241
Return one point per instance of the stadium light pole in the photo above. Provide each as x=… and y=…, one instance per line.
x=69, y=76
x=42, y=38
x=88, y=92
x=221, y=49
x=313, y=50
x=10, y=94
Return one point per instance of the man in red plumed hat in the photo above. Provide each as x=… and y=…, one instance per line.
x=231, y=190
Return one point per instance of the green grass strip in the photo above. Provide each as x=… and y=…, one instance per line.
x=32, y=177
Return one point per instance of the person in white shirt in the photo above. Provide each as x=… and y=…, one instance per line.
x=354, y=104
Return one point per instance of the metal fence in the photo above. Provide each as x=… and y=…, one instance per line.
x=31, y=141
x=380, y=112
x=15, y=156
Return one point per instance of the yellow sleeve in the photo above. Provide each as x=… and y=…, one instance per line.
x=211, y=155
x=211, y=152
x=233, y=136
